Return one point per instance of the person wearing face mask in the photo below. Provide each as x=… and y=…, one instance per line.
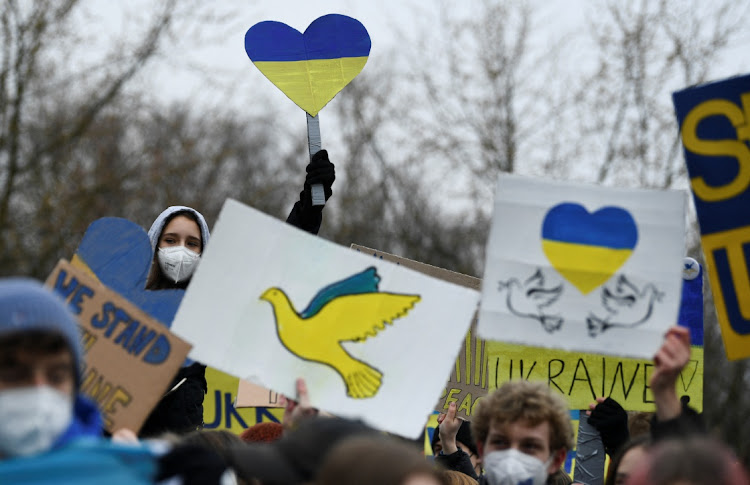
x=178, y=237
x=523, y=434
x=49, y=431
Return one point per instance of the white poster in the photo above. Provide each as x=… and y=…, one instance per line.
x=374, y=340
x=585, y=268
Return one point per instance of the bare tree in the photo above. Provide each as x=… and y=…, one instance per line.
x=646, y=50
x=54, y=107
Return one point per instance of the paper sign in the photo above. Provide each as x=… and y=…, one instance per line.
x=468, y=378
x=130, y=358
x=250, y=395
x=294, y=305
x=583, y=268
x=310, y=68
x=714, y=124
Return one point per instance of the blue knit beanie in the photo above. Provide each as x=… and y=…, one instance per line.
x=27, y=305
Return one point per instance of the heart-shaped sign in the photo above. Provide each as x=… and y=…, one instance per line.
x=118, y=253
x=310, y=68
x=587, y=249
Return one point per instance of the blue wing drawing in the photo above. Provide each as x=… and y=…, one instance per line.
x=364, y=282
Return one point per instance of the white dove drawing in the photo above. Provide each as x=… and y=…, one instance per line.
x=528, y=299
x=627, y=306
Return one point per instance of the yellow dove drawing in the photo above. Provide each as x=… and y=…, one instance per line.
x=349, y=310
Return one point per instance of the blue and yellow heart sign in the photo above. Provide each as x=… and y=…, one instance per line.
x=588, y=248
x=310, y=67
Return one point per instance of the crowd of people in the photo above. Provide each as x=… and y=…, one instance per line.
x=521, y=433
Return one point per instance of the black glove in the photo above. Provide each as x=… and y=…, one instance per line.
x=611, y=420
x=320, y=170
x=304, y=215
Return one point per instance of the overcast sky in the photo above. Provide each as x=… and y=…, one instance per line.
x=195, y=70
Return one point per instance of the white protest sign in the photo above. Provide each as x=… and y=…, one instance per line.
x=583, y=268
x=270, y=303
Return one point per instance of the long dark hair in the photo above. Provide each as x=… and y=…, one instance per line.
x=156, y=279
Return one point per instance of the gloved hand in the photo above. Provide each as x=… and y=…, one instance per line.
x=611, y=420
x=320, y=170
x=304, y=215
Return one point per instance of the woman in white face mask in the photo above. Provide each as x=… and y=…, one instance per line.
x=178, y=237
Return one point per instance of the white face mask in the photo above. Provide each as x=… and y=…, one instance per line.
x=32, y=418
x=511, y=467
x=177, y=262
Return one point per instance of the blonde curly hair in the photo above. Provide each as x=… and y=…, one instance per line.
x=530, y=402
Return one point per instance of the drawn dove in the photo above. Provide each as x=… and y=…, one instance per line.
x=530, y=298
x=627, y=306
x=348, y=310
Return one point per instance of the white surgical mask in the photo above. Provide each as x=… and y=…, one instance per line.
x=177, y=262
x=511, y=467
x=32, y=418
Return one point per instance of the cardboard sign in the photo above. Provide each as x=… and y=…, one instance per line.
x=714, y=122
x=468, y=379
x=352, y=326
x=581, y=267
x=250, y=395
x=130, y=358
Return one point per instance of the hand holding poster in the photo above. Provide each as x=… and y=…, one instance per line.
x=130, y=358
x=714, y=124
x=293, y=305
x=582, y=268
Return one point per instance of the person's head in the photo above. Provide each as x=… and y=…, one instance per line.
x=523, y=431
x=453, y=477
x=628, y=459
x=465, y=442
x=297, y=456
x=178, y=237
x=262, y=433
x=218, y=440
x=697, y=460
x=40, y=355
x=639, y=423
x=376, y=460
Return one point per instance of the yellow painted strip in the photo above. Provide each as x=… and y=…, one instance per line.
x=586, y=267
x=312, y=84
x=80, y=264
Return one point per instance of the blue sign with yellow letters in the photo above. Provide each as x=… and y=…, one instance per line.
x=714, y=122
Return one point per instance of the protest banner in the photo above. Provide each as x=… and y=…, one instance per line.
x=714, y=121
x=366, y=325
x=468, y=378
x=130, y=358
x=585, y=268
